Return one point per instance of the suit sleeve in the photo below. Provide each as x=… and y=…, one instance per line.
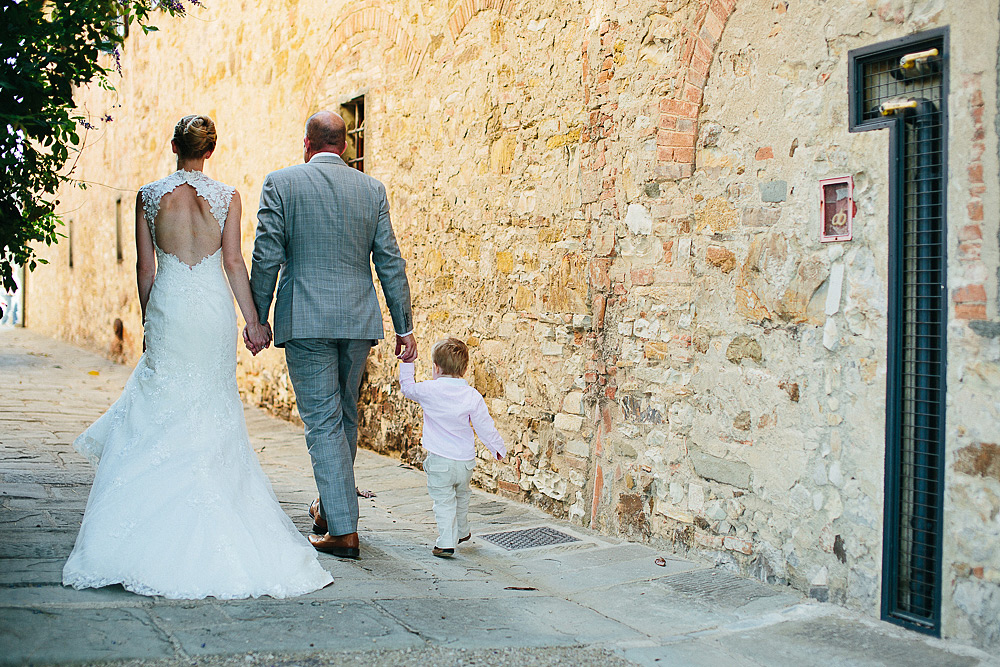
x=391, y=269
x=268, y=248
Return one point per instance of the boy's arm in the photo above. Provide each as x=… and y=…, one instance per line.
x=486, y=429
x=410, y=387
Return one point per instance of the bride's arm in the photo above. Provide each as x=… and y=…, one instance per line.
x=232, y=260
x=145, y=256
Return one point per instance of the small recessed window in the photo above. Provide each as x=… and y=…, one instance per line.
x=354, y=116
x=118, y=230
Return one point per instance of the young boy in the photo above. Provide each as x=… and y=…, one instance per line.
x=452, y=409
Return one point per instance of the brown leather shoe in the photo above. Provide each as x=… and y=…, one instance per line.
x=465, y=539
x=319, y=523
x=341, y=546
x=443, y=553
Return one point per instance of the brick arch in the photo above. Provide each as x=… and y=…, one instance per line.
x=466, y=9
x=677, y=132
x=377, y=17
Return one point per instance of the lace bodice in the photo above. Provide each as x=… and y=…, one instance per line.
x=218, y=195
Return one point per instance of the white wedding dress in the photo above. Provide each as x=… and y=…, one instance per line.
x=180, y=506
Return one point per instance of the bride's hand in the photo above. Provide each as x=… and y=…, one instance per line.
x=257, y=337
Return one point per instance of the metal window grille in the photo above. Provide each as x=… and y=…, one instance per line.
x=902, y=86
x=119, y=250
x=354, y=115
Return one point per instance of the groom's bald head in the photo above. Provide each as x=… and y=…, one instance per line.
x=325, y=132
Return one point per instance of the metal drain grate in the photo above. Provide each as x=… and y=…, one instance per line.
x=716, y=586
x=544, y=536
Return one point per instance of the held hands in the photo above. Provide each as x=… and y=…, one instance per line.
x=406, y=348
x=257, y=337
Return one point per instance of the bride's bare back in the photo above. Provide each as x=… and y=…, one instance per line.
x=185, y=226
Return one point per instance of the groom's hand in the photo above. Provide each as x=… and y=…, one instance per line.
x=257, y=337
x=406, y=348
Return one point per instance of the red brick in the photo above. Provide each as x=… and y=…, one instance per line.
x=642, y=276
x=599, y=309
x=664, y=153
x=699, y=70
x=708, y=541
x=590, y=377
x=598, y=486
x=969, y=294
x=970, y=311
x=713, y=25
x=668, y=121
x=970, y=233
x=692, y=94
x=679, y=107
x=721, y=10
x=736, y=544
x=764, y=153
x=610, y=392
x=683, y=155
x=975, y=210
x=509, y=487
x=702, y=51
x=970, y=250
x=680, y=139
x=976, y=172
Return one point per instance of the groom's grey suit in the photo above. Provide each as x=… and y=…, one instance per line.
x=324, y=224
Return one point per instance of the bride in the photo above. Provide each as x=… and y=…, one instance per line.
x=180, y=506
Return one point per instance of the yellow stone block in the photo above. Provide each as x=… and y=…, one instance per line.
x=718, y=214
x=559, y=140
x=505, y=262
x=502, y=153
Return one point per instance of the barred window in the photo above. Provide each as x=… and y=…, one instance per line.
x=354, y=115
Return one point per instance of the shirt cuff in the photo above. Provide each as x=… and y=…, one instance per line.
x=403, y=335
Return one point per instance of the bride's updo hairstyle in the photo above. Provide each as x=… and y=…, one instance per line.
x=194, y=136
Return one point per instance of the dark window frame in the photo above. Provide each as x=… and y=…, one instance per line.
x=858, y=58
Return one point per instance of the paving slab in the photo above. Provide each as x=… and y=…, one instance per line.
x=48, y=636
x=596, y=601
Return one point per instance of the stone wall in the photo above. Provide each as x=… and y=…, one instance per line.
x=614, y=203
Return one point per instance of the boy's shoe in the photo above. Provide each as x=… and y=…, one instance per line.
x=443, y=553
x=465, y=539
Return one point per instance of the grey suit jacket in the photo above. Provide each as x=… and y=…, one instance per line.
x=323, y=224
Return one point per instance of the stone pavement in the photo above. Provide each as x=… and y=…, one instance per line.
x=595, y=601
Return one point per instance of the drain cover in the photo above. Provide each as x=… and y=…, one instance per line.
x=512, y=540
x=718, y=587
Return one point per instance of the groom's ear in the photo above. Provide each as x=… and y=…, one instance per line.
x=173, y=146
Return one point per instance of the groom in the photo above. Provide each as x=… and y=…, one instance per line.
x=323, y=224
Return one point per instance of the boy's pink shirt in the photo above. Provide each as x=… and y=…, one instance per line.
x=452, y=409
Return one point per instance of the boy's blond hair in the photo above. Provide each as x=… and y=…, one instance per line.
x=451, y=355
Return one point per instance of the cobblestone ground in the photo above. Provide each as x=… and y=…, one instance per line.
x=594, y=601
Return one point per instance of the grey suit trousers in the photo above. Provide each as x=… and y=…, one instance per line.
x=326, y=375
